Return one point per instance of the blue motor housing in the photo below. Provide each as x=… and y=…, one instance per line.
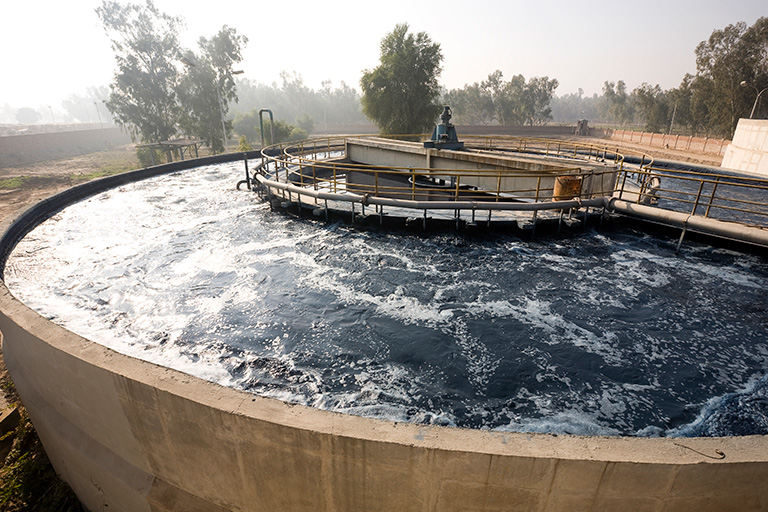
x=444, y=135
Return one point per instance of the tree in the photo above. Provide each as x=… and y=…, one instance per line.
x=344, y=106
x=755, y=42
x=734, y=54
x=681, y=99
x=400, y=95
x=27, y=115
x=494, y=90
x=89, y=107
x=652, y=107
x=574, y=106
x=79, y=108
x=297, y=95
x=208, y=87
x=472, y=105
x=514, y=102
x=7, y=114
x=616, y=104
x=719, y=65
x=145, y=42
x=246, y=124
x=536, y=98
x=507, y=98
x=293, y=100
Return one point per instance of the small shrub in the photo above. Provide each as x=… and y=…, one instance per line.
x=150, y=156
x=12, y=183
x=297, y=133
x=243, y=145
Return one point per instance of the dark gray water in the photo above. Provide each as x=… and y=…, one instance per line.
x=594, y=332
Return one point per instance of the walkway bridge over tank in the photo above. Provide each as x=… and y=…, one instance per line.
x=507, y=179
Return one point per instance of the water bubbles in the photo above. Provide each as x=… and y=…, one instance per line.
x=599, y=332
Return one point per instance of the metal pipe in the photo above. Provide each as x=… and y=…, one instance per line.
x=744, y=83
x=688, y=221
x=271, y=126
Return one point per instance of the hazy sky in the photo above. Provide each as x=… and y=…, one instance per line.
x=53, y=48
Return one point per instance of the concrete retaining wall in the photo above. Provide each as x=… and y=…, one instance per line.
x=132, y=436
x=40, y=147
x=703, y=145
x=749, y=150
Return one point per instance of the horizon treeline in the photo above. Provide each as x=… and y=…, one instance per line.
x=731, y=71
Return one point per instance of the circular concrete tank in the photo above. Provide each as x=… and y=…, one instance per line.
x=131, y=435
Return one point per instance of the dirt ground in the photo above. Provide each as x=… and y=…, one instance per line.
x=39, y=181
x=657, y=153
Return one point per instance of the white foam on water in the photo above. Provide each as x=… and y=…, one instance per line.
x=182, y=221
x=564, y=422
x=538, y=314
x=710, y=416
x=481, y=362
x=398, y=304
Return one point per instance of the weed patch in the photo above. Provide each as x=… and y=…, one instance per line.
x=29, y=482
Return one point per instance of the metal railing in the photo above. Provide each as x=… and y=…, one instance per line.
x=722, y=196
x=317, y=167
x=555, y=149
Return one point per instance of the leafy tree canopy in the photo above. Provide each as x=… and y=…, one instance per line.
x=208, y=87
x=400, y=95
x=512, y=102
x=153, y=95
x=247, y=126
x=617, y=104
x=146, y=46
x=88, y=108
x=27, y=115
x=730, y=56
x=651, y=107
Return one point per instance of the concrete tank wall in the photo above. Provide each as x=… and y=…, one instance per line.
x=535, y=174
x=749, y=150
x=132, y=436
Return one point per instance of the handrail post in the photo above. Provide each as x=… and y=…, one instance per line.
x=456, y=192
x=698, y=196
x=538, y=188
x=712, y=196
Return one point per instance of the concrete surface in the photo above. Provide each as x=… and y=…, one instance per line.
x=520, y=172
x=749, y=150
x=129, y=435
x=39, y=147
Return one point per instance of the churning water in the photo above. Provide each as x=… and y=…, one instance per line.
x=595, y=332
